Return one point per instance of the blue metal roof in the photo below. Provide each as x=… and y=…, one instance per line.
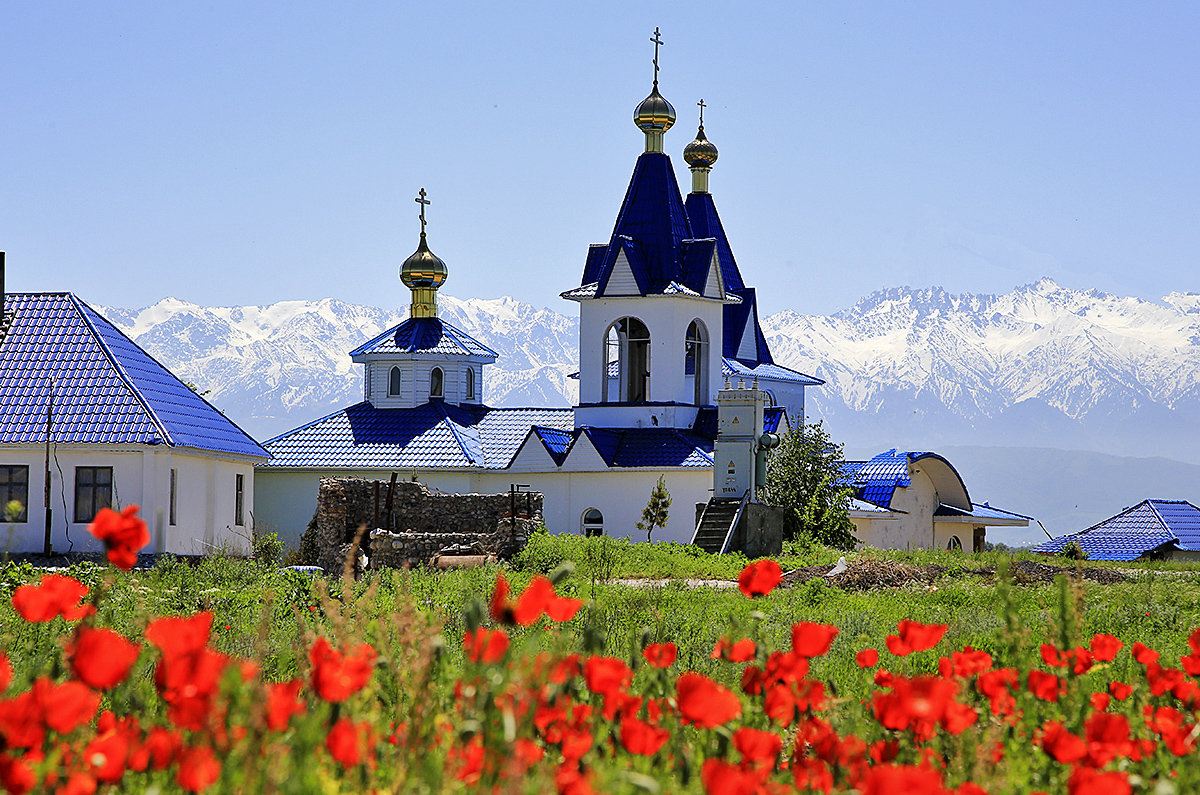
x=877, y=480
x=425, y=335
x=706, y=223
x=650, y=447
x=555, y=440
x=1146, y=527
x=978, y=511
x=107, y=390
x=433, y=435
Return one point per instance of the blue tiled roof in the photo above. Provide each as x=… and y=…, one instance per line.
x=978, y=511
x=107, y=390
x=556, y=441
x=705, y=424
x=434, y=435
x=732, y=368
x=1146, y=527
x=702, y=215
x=1182, y=520
x=425, y=335
x=650, y=447
x=652, y=214
x=878, y=479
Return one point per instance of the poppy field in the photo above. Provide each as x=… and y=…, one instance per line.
x=502, y=680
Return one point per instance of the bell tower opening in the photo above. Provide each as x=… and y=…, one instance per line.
x=695, y=361
x=626, y=362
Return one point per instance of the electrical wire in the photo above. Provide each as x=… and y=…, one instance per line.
x=62, y=479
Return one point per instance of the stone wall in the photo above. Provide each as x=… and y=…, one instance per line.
x=419, y=520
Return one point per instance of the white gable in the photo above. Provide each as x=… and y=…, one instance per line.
x=533, y=456
x=621, y=281
x=713, y=286
x=583, y=456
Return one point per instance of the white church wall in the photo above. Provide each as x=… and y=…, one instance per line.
x=415, y=382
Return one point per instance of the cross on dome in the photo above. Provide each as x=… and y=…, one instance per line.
x=421, y=200
x=657, y=43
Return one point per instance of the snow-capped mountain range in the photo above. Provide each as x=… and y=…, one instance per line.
x=1043, y=366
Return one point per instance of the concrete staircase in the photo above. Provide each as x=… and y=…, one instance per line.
x=716, y=524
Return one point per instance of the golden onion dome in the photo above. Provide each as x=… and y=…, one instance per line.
x=700, y=153
x=423, y=268
x=654, y=114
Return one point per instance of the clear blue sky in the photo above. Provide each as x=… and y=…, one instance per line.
x=237, y=153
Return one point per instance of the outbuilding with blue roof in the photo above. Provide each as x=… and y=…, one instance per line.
x=1152, y=530
x=110, y=426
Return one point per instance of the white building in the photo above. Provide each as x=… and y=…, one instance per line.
x=83, y=405
x=665, y=317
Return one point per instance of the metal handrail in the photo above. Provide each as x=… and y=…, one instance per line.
x=737, y=517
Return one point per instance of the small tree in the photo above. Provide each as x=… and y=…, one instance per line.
x=805, y=474
x=655, y=513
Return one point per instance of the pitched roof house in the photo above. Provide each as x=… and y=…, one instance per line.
x=1150, y=529
x=907, y=500
x=82, y=404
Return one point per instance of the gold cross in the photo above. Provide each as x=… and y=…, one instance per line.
x=657, y=42
x=421, y=200
x=702, y=107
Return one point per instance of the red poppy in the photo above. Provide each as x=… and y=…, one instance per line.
x=106, y=756
x=915, y=637
x=1047, y=687
x=721, y=778
x=966, y=663
x=485, y=645
x=867, y=658
x=198, y=770
x=759, y=578
x=337, y=675
x=606, y=676
x=1119, y=690
x=812, y=640
x=642, y=738
x=79, y=784
x=893, y=779
x=661, y=655
x=1105, y=647
x=6, y=672
x=757, y=747
x=1085, y=781
x=920, y=699
x=123, y=535
x=16, y=776
x=704, y=702
x=54, y=595
x=812, y=775
x=538, y=599
x=163, y=746
x=348, y=742
x=737, y=651
x=101, y=658
x=1143, y=653
x=1099, y=701
x=1107, y=738
x=282, y=704
x=562, y=608
x=179, y=635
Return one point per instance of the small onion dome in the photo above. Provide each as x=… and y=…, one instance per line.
x=423, y=268
x=654, y=114
x=700, y=153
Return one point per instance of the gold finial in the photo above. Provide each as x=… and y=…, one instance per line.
x=421, y=200
x=657, y=43
x=700, y=155
x=654, y=116
x=423, y=272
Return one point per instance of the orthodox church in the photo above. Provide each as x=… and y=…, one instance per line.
x=665, y=320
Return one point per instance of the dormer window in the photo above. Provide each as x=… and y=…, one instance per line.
x=394, y=382
x=436, y=378
x=470, y=383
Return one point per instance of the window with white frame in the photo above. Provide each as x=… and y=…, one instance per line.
x=436, y=382
x=593, y=522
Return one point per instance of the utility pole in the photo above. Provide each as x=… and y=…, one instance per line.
x=47, y=547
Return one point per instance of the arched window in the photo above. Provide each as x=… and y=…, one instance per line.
x=626, y=362
x=394, y=382
x=435, y=382
x=695, y=361
x=593, y=522
x=470, y=383
x=954, y=544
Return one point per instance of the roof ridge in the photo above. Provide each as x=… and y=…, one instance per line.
x=458, y=438
x=75, y=302
x=1165, y=525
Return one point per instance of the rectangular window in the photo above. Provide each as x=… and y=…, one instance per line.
x=14, y=487
x=238, y=494
x=174, y=486
x=93, y=491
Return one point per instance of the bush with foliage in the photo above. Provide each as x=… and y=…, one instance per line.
x=804, y=474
